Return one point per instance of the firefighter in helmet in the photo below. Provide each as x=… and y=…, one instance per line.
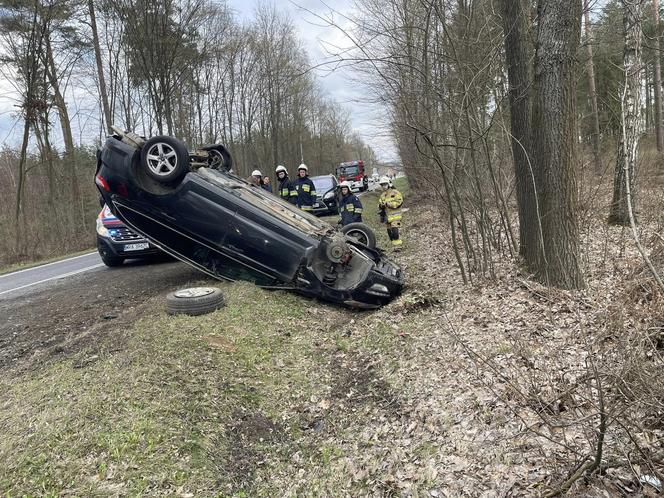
x=350, y=207
x=285, y=188
x=389, y=204
x=305, y=188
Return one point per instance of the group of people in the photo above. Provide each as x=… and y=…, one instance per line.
x=301, y=192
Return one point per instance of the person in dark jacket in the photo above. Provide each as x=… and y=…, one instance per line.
x=350, y=207
x=306, y=190
x=285, y=188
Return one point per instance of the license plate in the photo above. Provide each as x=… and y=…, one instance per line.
x=136, y=247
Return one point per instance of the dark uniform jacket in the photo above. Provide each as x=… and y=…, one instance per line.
x=306, y=193
x=350, y=209
x=286, y=190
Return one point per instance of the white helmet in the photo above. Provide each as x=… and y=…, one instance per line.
x=384, y=180
x=256, y=173
x=304, y=167
x=281, y=168
x=345, y=184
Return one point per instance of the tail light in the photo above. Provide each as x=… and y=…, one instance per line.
x=99, y=180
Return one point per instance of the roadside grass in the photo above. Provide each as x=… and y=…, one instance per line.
x=272, y=395
x=31, y=264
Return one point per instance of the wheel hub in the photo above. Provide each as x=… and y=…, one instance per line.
x=194, y=292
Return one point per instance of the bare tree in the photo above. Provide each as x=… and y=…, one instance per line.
x=592, y=89
x=658, y=79
x=631, y=109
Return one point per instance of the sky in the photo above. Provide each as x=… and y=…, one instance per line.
x=337, y=82
x=319, y=39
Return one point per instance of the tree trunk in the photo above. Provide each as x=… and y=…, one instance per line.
x=100, y=67
x=631, y=117
x=658, y=81
x=554, y=141
x=59, y=100
x=593, y=92
x=518, y=52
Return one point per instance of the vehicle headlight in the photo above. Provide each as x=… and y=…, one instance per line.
x=101, y=229
x=329, y=195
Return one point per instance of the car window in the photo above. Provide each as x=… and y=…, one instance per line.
x=323, y=184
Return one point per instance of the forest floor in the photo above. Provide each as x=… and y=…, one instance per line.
x=484, y=389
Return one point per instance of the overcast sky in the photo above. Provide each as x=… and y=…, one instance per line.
x=338, y=83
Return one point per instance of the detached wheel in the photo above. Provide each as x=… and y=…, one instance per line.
x=362, y=233
x=194, y=301
x=165, y=159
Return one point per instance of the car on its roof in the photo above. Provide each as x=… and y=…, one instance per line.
x=194, y=208
x=116, y=242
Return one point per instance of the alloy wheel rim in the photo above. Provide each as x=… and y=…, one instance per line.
x=194, y=292
x=162, y=159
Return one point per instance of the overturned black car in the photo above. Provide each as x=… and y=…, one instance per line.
x=191, y=206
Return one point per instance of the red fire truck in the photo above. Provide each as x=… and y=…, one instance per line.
x=353, y=172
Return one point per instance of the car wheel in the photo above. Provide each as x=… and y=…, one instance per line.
x=362, y=233
x=165, y=159
x=218, y=157
x=109, y=259
x=194, y=301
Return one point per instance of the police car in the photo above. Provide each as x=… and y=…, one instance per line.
x=116, y=242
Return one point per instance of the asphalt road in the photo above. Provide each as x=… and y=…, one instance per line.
x=24, y=281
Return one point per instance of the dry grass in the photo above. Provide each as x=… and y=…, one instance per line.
x=450, y=390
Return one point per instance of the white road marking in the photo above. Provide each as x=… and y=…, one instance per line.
x=71, y=273
x=45, y=265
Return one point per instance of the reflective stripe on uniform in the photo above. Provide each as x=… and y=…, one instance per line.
x=306, y=208
x=397, y=242
x=358, y=210
x=349, y=207
x=306, y=188
x=393, y=217
x=293, y=193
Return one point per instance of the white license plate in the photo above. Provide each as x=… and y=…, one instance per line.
x=136, y=247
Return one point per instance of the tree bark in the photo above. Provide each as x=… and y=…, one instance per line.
x=518, y=52
x=59, y=100
x=554, y=141
x=100, y=67
x=631, y=113
x=658, y=81
x=593, y=91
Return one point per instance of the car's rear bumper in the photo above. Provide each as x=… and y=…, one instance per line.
x=121, y=249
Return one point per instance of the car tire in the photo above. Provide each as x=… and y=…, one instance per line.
x=194, y=301
x=362, y=233
x=219, y=157
x=165, y=159
x=109, y=259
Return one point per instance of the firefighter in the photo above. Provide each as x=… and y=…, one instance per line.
x=350, y=207
x=285, y=188
x=305, y=188
x=390, y=203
